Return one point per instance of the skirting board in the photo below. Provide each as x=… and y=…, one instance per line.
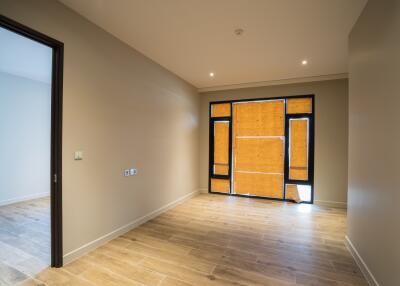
x=23, y=199
x=71, y=256
x=360, y=262
x=203, y=191
x=331, y=204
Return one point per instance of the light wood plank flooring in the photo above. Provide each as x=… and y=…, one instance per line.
x=24, y=240
x=221, y=240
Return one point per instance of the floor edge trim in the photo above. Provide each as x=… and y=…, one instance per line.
x=332, y=204
x=361, y=263
x=24, y=199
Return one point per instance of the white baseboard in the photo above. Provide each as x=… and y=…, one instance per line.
x=71, y=256
x=331, y=204
x=361, y=263
x=203, y=191
x=24, y=198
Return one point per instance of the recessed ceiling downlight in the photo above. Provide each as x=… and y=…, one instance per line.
x=304, y=62
x=212, y=74
x=238, y=31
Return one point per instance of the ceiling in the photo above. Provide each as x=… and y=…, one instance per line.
x=192, y=38
x=23, y=57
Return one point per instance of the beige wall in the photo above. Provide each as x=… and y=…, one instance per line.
x=122, y=110
x=331, y=108
x=374, y=156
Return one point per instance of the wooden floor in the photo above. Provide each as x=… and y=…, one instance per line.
x=24, y=240
x=221, y=240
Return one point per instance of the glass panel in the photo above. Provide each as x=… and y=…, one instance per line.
x=221, y=147
x=221, y=110
x=258, y=148
x=221, y=169
x=259, y=184
x=298, y=193
x=299, y=105
x=298, y=149
x=259, y=155
x=220, y=185
x=260, y=118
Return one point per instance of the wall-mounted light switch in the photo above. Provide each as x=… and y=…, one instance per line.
x=133, y=172
x=126, y=172
x=78, y=155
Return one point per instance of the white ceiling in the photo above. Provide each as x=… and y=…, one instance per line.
x=194, y=37
x=23, y=57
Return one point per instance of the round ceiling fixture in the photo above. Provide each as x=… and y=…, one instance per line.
x=238, y=31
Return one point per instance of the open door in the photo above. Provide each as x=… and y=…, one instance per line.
x=14, y=34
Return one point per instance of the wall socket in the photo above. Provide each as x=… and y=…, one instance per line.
x=78, y=155
x=130, y=172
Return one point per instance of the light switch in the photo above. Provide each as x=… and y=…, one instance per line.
x=133, y=172
x=78, y=155
x=126, y=172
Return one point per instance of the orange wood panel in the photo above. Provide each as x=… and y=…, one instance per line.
x=292, y=193
x=265, y=185
x=264, y=118
x=254, y=151
x=221, y=142
x=221, y=169
x=259, y=155
x=220, y=185
x=221, y=110
x=298, y=164
x=299, y=105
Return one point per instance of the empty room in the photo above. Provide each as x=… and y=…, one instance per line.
x=199, y=142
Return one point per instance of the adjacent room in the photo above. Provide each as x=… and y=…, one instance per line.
x=199, y=142
x=25, y=119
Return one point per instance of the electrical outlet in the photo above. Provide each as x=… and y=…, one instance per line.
x=78, y=155
x=133, y=172
x=126, y=173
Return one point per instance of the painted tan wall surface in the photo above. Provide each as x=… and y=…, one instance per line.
x=374, y=172
x=331, y=104
x=122, y=110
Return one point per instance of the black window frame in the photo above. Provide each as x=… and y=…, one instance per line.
x=309, y=116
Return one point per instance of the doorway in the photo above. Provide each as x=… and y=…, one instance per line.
x=263, y=148
x=34, y=102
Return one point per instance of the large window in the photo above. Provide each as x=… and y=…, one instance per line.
x=263, y=148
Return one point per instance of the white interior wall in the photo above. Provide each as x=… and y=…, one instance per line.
x=25, y=118
x=374, y=99
x=25, y=106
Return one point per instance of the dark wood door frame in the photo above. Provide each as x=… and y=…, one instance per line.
x=56, y=131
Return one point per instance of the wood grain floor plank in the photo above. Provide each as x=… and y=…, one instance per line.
x=24, y=239
x=214, y=240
